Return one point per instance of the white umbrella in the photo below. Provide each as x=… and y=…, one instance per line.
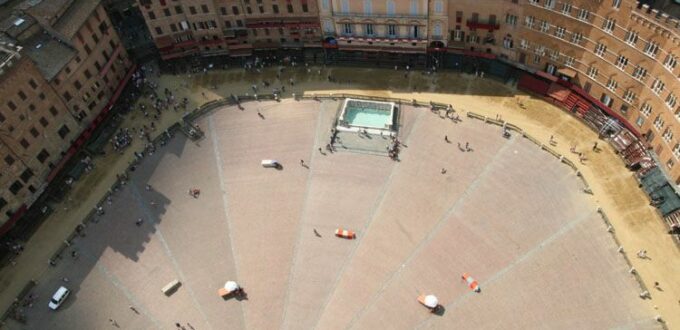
x=230, y=286
x=431, y=301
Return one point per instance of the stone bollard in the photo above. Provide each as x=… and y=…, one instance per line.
x=620, y=250
x=632, y=270
x=610, y=229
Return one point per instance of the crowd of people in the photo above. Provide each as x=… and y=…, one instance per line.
x=121, y=140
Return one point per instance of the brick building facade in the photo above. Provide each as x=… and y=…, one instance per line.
x=65, y=65
x=622, y=53
x=220, y=27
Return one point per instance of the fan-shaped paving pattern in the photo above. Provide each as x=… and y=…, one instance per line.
x=508, y=213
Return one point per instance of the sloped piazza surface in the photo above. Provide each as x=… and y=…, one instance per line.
x=506, y=212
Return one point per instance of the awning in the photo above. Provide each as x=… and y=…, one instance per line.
x=606, y=109
x=240, y=52
x=453, y=50
x=164, y=41
x=571, y=73
x=546, y=75
x=558, y=92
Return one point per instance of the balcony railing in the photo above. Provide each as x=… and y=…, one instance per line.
x=489, y=39
x=288, y=22
x=482, y=25
x=376, y=15
x=404, y=39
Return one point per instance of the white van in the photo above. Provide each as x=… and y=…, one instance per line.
x=270, y=163
x=59, y=297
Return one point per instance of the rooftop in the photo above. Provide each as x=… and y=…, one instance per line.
x=8, y=52
x=75, y=17
x=48, y=11
x=670, y=7
x=7, y=8
x=49, y=54
x=16, y=24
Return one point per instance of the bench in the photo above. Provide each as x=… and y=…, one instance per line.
x=171, y=287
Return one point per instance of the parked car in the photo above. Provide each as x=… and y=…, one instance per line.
x=59, y=297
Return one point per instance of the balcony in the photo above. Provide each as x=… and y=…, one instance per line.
x=385, y=49
x=489, y=39
x=482, y=25
x=283, y=22
x=375, y=15
x=235, y=32
x=403, y=40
